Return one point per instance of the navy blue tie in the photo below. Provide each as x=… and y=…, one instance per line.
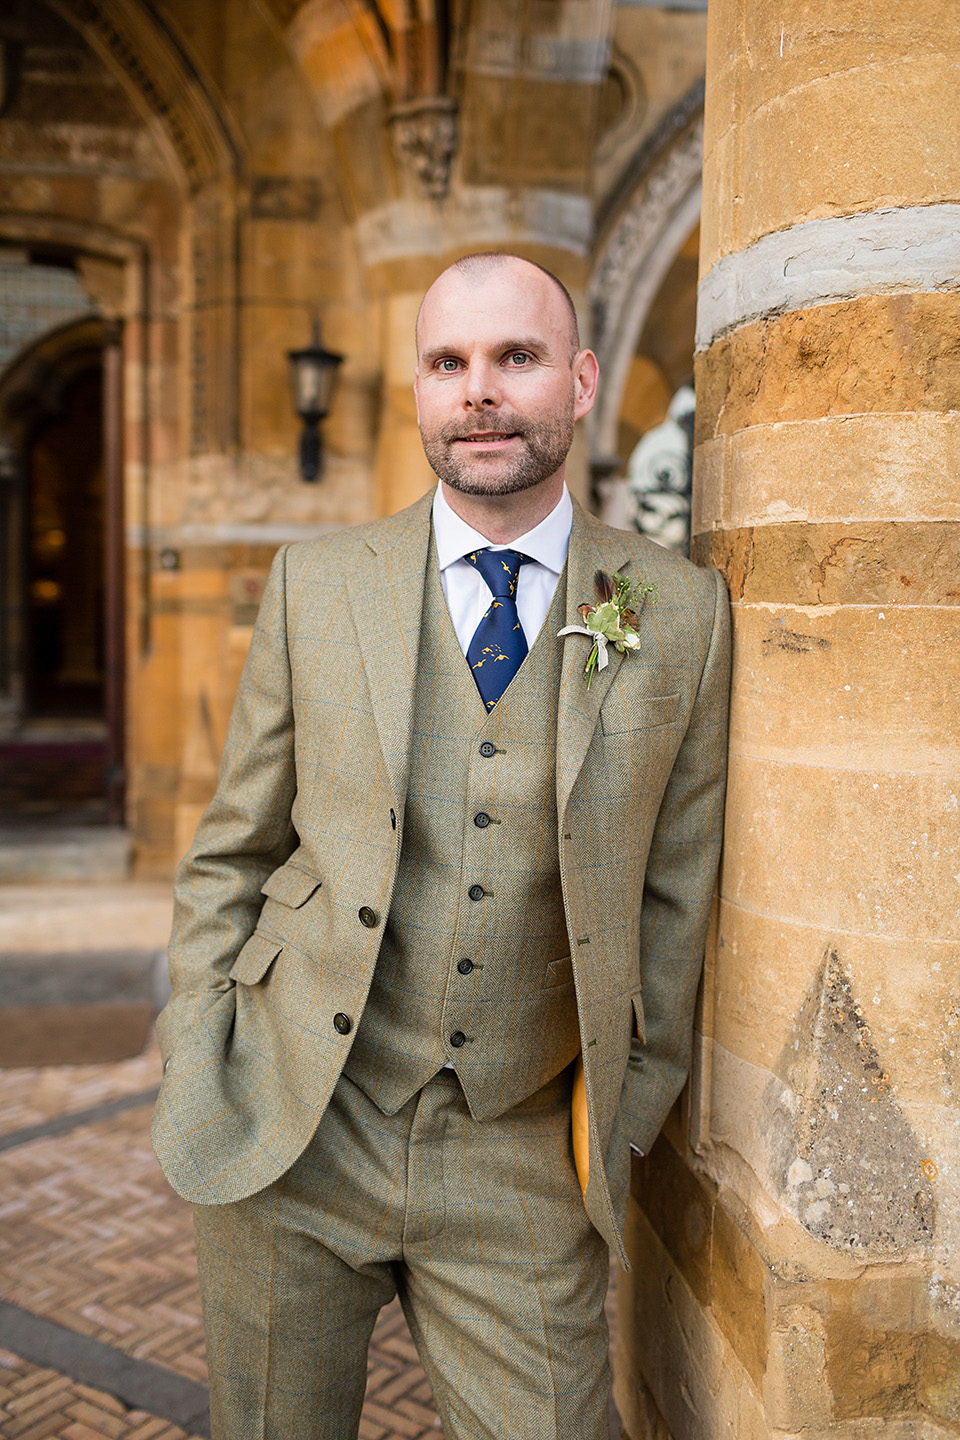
x=498, y=646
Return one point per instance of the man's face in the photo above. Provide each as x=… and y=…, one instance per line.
x=498, y=386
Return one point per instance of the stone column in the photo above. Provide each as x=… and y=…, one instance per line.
x=797, y=1230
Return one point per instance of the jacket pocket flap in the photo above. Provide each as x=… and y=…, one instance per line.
x=616, y=715
x=638, y=1015
x=290, y=885
x=255, y=959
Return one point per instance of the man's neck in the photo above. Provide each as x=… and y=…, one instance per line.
x=502, y=518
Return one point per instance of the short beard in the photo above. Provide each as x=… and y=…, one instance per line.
x=545, y=448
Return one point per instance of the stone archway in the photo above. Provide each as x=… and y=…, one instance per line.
x=641, y=243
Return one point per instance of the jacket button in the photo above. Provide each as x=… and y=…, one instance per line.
x=476, y=892
x=481, y=819
x=487, y=749
x=368, y=917
x=342, y=1023
x=464, y=966
x=457, y=1039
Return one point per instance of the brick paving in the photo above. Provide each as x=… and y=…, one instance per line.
x=37, y=1404
x=92, y=1238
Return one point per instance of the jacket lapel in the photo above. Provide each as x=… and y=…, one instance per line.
x=593, y=547
x=386, y=598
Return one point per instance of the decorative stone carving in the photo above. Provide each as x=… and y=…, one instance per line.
x=639, y=247
x=424, y=134
x=139, y=42
x=637, y=230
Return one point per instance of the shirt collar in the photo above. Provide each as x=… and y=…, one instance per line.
x=546, y=542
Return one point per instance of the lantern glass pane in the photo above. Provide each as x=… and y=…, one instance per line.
x=306, y=373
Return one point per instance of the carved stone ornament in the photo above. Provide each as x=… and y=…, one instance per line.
x=424, y=134
x=636, y=232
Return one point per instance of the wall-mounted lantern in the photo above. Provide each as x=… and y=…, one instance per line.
x=313, y=374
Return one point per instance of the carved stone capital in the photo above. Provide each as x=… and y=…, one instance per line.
x=424, y=135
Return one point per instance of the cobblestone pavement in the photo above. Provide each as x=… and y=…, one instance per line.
x=98, y=1250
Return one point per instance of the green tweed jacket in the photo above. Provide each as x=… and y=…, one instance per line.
x=281, y=902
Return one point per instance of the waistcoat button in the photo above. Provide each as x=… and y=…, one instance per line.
x=464, y=966
x=476, y=892
x=342, y=1023
x=481, y=819
x=457, y=1039
x=487, y=749
x=367, y=916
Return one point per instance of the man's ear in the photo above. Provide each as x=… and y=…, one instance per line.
x=586, y=375
x=416, y=391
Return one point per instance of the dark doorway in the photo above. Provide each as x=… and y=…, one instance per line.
x=61, y=721
x=64, y=599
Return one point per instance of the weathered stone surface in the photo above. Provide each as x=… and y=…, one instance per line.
x=739, y=1299
x=905, y=988
x=858, y=563
x=869, y=467
x=799, y=113
x=788, y=853
x=847, y=151
x=827, y=260
x=506, y=141
x=680, y=1207
x=877, y=354
x=674, y=1346
x=826, y=685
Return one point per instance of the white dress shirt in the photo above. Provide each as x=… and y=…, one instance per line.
x=467, y=593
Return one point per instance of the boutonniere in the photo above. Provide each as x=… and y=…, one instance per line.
x=613, y=620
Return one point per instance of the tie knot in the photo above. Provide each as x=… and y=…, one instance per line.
x=499, y=568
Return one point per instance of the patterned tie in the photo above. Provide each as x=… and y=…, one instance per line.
x=498, y=646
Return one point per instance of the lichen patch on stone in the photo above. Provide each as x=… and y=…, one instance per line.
x=853, y=1171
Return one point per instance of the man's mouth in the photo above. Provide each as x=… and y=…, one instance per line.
x=487, y=438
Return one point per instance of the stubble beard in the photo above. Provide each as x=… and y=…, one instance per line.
x=546, y=445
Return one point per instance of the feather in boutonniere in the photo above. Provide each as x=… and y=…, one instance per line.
x=613, y=620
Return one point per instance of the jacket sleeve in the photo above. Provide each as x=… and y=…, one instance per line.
x=678, y=890
x=246, y=832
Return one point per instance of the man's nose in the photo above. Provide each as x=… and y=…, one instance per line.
x=481, y=391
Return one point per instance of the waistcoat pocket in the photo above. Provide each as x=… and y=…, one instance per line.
x=640, y=1023
x=559, y=972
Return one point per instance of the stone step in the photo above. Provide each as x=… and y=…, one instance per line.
x=82, y=970
x=78, y=1007
x=44, y=850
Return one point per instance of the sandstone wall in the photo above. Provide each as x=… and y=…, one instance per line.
x=797, y=1231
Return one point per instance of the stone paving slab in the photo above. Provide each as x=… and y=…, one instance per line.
x=53, y=918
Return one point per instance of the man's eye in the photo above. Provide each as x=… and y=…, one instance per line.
x=519, y=357
x=448, y=365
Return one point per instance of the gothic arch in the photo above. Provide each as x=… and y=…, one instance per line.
x=641, y=240
x=137, y=45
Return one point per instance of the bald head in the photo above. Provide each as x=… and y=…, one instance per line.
x=489, y=266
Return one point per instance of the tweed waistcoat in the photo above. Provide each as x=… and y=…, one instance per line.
x=474, y=968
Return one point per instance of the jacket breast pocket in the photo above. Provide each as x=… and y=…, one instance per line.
x=648, y=712
x=255, y=959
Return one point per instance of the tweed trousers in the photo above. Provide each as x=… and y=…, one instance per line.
x=481, y=1229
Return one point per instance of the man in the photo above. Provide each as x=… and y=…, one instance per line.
x=483, y=877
